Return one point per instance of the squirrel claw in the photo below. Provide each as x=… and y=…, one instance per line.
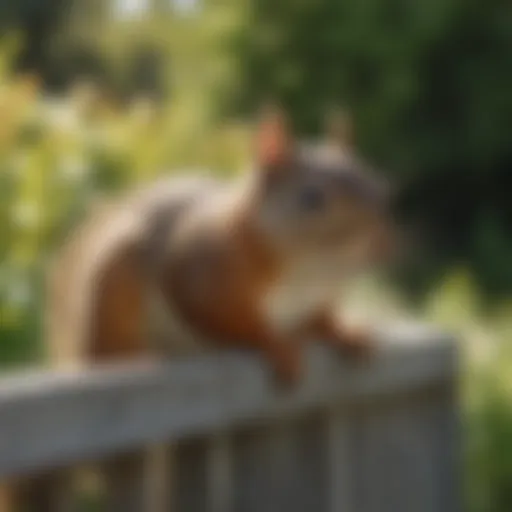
x=356, y=344
x=288, y=370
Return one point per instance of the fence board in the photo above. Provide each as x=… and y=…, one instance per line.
x=281, y=466
x=340, y=441
x=398, y=466
x=448, y=453
x=219, y=468
x=58, y=419
x=191, y=480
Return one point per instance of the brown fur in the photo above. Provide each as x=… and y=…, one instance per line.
x=231, y=273
x=217, y=261
x=118, y=316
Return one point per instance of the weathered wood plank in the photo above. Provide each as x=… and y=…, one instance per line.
x=398, y=457
x=219, y=461
x=340, y=447
x=107, y=410
x=139, y=481
x=190, y=482
x=448, y=440
x=126, y=483
x=281, y=466
x=48, y=492
x=161, y=468
x=203, y=477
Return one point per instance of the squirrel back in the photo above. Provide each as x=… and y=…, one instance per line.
x=99, y=281
x=251, y=262
x=277, y=245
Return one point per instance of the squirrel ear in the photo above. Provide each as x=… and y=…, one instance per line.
x=273, y=139
x=339, y=128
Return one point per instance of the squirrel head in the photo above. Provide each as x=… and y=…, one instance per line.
x=319, y=198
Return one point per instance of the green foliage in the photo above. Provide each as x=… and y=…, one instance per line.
x=429, y=85
x=427, y=81
x=486, y=387
x=488, y=435
x=59, y=155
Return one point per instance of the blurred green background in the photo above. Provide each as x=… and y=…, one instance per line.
x=97, y=96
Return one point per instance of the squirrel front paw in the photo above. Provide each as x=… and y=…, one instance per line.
x=287, y=365
x=356, y=343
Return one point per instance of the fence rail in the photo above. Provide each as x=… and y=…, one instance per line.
x=381, y=436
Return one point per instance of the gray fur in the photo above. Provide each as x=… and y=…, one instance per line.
x=142, y=219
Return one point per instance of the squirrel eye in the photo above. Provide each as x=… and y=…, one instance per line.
x=312, y=199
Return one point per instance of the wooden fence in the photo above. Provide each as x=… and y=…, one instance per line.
x=378, y=437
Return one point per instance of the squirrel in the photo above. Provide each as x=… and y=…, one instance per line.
x=255, y=262
x=196, y=263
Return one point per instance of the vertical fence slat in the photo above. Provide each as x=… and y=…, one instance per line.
x=257, y=472
x=281, y=466
x=219, y=474
x=339, y=445
x=52, y=492
x=397, y=460
x=448, y=450
x=125, y=482
x=311, y=466
x=160, y=469
x=190, y=476
x=389, y=444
